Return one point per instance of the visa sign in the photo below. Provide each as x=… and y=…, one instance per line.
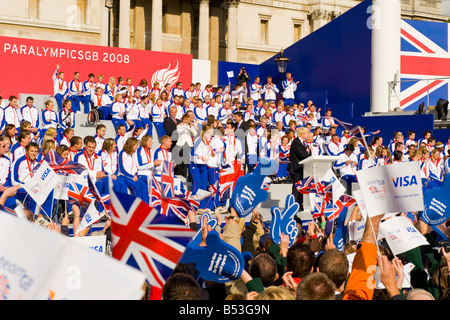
x=45, y=174
x=404, y=181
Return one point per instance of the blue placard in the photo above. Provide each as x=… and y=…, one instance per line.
x=436, y=202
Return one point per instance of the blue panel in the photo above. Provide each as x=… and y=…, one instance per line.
x=319, y=98
x=224, y=66
x=335, y=58
x=441, y=135
x=403, y=123
x=341, y=111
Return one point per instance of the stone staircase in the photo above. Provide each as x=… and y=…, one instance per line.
x=277, y=192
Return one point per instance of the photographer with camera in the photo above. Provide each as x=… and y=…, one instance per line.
x=242, y=76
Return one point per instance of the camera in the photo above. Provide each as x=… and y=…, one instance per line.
x=443, y=244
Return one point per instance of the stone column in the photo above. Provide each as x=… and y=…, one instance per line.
x=139, y=25
x=232, y=31
x=104, y=35
x=385, y=25
x=203, y=30
x=156, y=25
x=124, y=24
x=186, y=27
x=214, y=42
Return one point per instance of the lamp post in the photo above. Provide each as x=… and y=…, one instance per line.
x=109, y=4
x=281, y=62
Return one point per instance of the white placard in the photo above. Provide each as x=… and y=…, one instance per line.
x=401, y=235
x=95, y=243
x=393, y=188
x=61, y=191
x=91, y=216
x=41, y=184
x=59, y=268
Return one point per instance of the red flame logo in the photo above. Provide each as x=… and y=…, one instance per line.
x=166, y=76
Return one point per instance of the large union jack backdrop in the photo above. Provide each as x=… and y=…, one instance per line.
x=424, y=55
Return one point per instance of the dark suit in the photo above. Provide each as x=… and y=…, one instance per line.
x=170, y=125
x=298, y=152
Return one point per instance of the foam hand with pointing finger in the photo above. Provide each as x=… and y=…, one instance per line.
x=248, y=192
x=284, y=222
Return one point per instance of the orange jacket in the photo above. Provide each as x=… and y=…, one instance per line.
x=361, y=285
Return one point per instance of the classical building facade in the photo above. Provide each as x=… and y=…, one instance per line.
x=247, y=31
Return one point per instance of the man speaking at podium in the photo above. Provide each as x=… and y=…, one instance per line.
x=299, y=152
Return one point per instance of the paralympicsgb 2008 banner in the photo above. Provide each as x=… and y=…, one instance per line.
x=28, y=65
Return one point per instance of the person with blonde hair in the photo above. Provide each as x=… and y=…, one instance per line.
x=46, y=147
x=49, y=116
x=111, y=88
x=128, y=169
x=145, y=156
x=275, y=293
x=118, y=111
x=109, y=156
x=50, y=134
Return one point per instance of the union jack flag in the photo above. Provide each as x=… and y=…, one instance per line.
x=318, y=204
x=167, y=179
x=65, y=166
x=227, y=180
x=424, y=55
x=146, y=240
x=58, y=163
x=155, y=192
x=80, y=193
x=172, y=206
x=344, y=201
x=306, y=185
x=175, y=207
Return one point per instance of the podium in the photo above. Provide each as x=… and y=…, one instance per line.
x=315, y=166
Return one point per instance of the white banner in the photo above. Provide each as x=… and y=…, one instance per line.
x=357, y=195
x=393, y=188
x=41, y=184
x=406, y=280
x=61, y=191
x=337, y=187
x=230, y=74
x=356, y=230
x=90, y=217
x=58, y=268
x=401, y=235
x=95, y=243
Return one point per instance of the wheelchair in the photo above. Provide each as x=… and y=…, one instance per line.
x=93, y=117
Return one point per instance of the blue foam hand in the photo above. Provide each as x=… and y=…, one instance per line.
x=218, y=261
x=436, y=204
x=284, y=222
x=248, y=192
x=211, y=222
